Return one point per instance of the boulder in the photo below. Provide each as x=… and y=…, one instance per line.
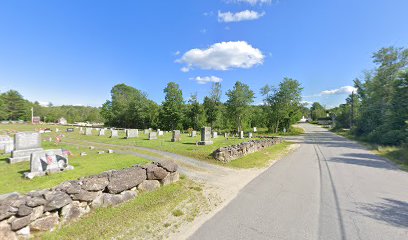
x=169, y=165
x=24, y=232
x=5, y=231
x=57, y=200
x=46, y=223
x=7, y=211
x=71, y=212
x=19, y=223
x=37, y=212
x=155, y=173
x=95, y=183
x=171, y=178
x=148, y=185
x=36, y=201
x=85, y=196
x=125, y=179
x=24, y=210
x=115, y=199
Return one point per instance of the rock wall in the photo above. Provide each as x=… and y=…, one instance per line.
x=45, y=210
x=227, y=154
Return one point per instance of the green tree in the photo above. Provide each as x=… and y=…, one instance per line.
x=16, y=106
x=194, y=112
x=212, y=104
x=317, y=111
x=238, y=103
x=171, y=114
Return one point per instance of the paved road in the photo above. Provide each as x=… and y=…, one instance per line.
x=330, y=188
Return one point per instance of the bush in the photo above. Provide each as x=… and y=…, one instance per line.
x=393, y=137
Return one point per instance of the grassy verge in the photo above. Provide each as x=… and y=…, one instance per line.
x=396, y=154
x=151, y=215
x=262, y=158
x=12, y=174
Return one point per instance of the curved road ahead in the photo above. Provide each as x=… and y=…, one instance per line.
x=329, y=188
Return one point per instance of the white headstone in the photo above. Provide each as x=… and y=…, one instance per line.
x=25, y=143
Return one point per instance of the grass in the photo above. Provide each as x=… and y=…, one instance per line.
x=396, y=154
x=262, y=158
x=150, y=215
x=12, y=174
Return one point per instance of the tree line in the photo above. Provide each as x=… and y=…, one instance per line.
x=378, y=111
x=131, y=108
x=13, y=106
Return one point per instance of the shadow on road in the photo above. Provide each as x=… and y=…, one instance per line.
x=391, y=211
x=367, y=162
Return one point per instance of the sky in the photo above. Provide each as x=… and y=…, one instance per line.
x=74, y=52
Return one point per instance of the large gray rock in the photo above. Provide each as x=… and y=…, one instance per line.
x=85, y=196
x=115, y=199
x=171, y=178
x=155, y=173
x=37, y=213
x=169, y=165
x=5, y=231
x=46, y=223
x=148, y=185
x=96, y=183
x=7, y=211
x=72, y=211
x=125, y=179
x=36, y=201
x=19, y=223
x=24, y=210
x=56, y=200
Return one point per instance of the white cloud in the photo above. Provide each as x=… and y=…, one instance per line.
x=222, y=56
x=177, y=53
x=207, y=79
x=342, y=90
x=307, y=103
x=44, y=103
x=252, y=2
x=246, y=15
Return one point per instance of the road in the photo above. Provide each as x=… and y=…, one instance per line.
x=330, y=188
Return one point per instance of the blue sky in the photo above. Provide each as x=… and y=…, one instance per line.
x=73, y=52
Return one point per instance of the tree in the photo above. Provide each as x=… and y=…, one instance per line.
x=194, y=111
x=171, y=114
x=3, y=111
x=238, y=103
x=317, y=111
x=16, y=106
x=284, y=107
x=212, y=104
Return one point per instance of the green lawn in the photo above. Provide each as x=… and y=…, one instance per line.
x=12, y=174
x=149, y=216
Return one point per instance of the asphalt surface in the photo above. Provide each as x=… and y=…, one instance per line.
x=330, y=188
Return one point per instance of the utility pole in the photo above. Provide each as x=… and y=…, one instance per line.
x=352, y=110
x=32, y=115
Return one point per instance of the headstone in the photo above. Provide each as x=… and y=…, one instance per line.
x=255, y=129
x=101, y=132
x=57, y=130
x=47, y=162
x=241, y=134
x=193, y=133
x=205, y=136
x=132, y=133
x=215, y=134
x=81, y=130
x=176, y=136
x=110, y=151
x=6, y=143
x=160, y=133
x=284, y=130
x=88, y=131
x=70, y=129
x=83, y=154
x=249, y=135
x=146, y=131
x=114, y=133
x=101, y=152
x=152, y=136
x=25, y=143
x=226, y=135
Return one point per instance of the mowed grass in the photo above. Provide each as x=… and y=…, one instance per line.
x=148, y=216
x=262, y=158
x=11, y=175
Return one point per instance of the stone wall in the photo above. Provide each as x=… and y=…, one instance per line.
x=227, y=154
x=45, y=210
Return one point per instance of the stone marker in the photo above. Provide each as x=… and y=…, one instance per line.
x=132, y=133
x=70, y=129
x=110, y=151
x=152, y=136
x=255, y=129
x=241, y=134
x=176, y=136
x=81, y=130
x=88, y=131
x=101, y=132
x=146, y=131
x=226, y=135
x=25, y=143
x=83, y=154
x=6, y=143
x=249, y=135
x=160, y=133
x=114, y=133
x=47, y=162
x=57, y=130
x=101, y=152
x=205, y=136
x=215, y=135
x=193, y=133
